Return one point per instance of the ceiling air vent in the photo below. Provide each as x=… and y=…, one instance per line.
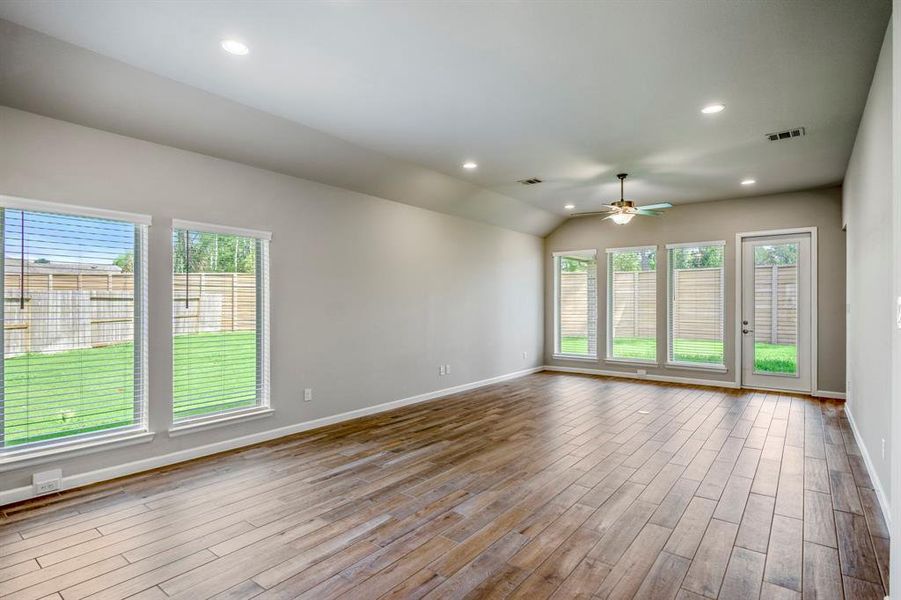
x=786, y=135
x=530, y=181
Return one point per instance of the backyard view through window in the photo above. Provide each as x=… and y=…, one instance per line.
x=576, y=319
x=632, y=303
x=73, y=343
x=776, y=308
x=219, y=323
x=696, y=303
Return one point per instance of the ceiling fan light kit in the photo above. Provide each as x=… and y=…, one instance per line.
x=622, y=211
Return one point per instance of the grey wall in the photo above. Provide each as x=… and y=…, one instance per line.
x=895, y=449
x=368, y=296
x=868, y=214
x=708, y=221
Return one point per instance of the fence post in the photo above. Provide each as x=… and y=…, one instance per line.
x=234, y=298
x=774, y=304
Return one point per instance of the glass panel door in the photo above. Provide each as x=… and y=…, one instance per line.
x=776, y=308
x=776, y=313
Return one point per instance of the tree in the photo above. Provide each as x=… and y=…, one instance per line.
x=640, y=260
x=569, y=264
x=779, y=255
x=213, y=252
x=698, y=258
x=126, y=262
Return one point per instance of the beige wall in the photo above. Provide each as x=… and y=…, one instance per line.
x=710, y=221
x=368, y=296
x=868, y=214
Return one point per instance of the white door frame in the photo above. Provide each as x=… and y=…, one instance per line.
x=739, y=239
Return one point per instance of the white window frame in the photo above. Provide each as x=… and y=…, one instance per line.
x=670, y=362
x=556, y=257
x=609, y=341
x=263, y=407
x=86, y=443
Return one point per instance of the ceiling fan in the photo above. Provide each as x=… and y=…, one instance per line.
x=622, y=211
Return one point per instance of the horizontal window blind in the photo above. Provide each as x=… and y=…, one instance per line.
x=576, y=306
x=696, y=303
x=73, y=326
x=220, y=323
x=632, y=303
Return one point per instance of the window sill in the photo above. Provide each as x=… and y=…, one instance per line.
x=697, y=367
x=187, y=427
x=66, y=449
x=632, y=361
x=582, y=358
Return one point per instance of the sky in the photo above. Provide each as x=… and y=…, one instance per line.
x=64, y=238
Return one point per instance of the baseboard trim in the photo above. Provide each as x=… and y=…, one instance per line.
x=828, y=394
x=877, y=484
x=155, y=462
x=648, y=377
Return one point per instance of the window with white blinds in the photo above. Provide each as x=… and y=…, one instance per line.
x=696, y=304
x=632, y=303
x=576, y=303
x=220, y=286
x=74, y=327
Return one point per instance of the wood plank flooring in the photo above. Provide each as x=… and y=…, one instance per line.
x=548, y=486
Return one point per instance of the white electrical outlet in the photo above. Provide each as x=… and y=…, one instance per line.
x=441, y=370
x=447, y=369
x=642, y=372
x=525, y=355
x=307, y=394
x=47, y=481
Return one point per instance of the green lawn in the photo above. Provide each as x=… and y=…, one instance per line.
x=769, y=358
x=213, y=363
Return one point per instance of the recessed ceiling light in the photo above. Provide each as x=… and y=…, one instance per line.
x=569, y=206
x=235, y=47
x=711, y=109
x=470, y=165
x=748, y=181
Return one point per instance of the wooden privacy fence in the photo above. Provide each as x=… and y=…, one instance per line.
x=578, y=306
x=635, y=299
x=776, y=304
x=698, y=304
x=66, y=311
x=697, y=309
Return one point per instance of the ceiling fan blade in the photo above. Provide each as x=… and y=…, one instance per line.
x=649, y=213
x=589, y=214
x=659, y=206
x=604, y=210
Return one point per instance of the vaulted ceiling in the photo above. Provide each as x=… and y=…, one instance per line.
x=391, y=98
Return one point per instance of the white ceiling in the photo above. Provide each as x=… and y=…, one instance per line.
x=571, y=92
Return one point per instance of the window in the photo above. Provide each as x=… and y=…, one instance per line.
x=632, y=304
x=696, y=304
x=74, y=342
x=576, y=303
x=220, y=287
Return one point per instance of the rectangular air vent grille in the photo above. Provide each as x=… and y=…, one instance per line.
x=786, y=135
x=530, y=181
